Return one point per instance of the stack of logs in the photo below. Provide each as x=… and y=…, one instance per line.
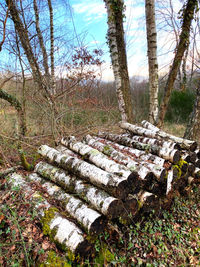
x=108, y=178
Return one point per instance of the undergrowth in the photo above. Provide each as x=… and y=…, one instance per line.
x=167, y=238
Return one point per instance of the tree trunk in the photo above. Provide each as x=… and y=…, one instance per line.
x=188, y=15
x=64, y=232
x=193, y=128
x=118, y=186
x=152, y=59
x=99, y=199
x=184, y=143
x=92, y=221
x=118, y=57
x=18, y=107
x=5, y=172
x=53, y=84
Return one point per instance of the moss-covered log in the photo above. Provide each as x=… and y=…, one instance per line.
x=62, y=231
x=184, y=143
x=92, y=221
x=169, y=154
x=99, y=159
x=97, y=198
x=113, y=184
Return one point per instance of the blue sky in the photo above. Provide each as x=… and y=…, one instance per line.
x=90, y=17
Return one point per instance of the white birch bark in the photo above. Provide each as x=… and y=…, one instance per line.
x=99, y=199
x=143, y=172
x=143, y=168
x=92, y=221
x=62, y=231
x=136, y=153
x=7, y=171
x=197, y=173
x=98, y=158
x=118, y=186
x=118, y=57
x=184, y=143
x=152, y=59
x=168, y=154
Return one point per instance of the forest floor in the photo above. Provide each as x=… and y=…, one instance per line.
x=165, y=238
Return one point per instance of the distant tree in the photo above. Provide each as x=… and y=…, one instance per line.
x=193, y=128
x=152, y=59
x=115, y=35
x=187, y=17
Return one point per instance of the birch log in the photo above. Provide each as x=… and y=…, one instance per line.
x=143, y=172
x=61, y=230
x=5, y=172
x=118, y=186
x=92, y=221
x=135, y=153
x=99, y=199
x=184, y=143
x=99, y=159
x=144, y=169
x=169, y=154
x=157, y=142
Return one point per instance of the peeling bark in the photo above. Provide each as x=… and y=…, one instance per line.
x=184, y=143
x=99, y=199
x=92, y=221
x=61, y=230
x=118, y=186
x=169, y=154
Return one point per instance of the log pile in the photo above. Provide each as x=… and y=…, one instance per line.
x=108, y=178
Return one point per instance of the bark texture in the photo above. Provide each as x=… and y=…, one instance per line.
x=168, y=154
x=152, y=59
x=183, y=142
x=97, y=198
x=96, y=157
x=92, y=221
x=60, y=229
x=118, y=186
x=188, y=15
x=117, y=47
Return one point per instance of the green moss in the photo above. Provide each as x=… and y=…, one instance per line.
x=179, y=170
x=49, y=214
x=107, y=150
x=54, y=261
x=181, y=163
x=104, y=256
x=140, y=204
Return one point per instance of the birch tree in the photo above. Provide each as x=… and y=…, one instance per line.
x=187, y=17
x=115, y=35
x=152, y=59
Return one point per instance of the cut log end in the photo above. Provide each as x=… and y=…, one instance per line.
x=193, y=146
x=116, y=208
x=83, y=248
x=122, y=190
x=176, y=157
x=98, y=225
